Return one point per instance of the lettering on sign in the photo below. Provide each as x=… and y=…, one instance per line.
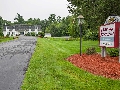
x=107, y=33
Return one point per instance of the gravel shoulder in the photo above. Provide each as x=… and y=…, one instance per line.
x=14, y=59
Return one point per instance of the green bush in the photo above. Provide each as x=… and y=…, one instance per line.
x=11, y=34
x=28, y=34
x=41, y=34
x=7, y=35
x=91, y=50
x=32, y=33
x=113, y=52
x=91, y=35
x=1, y=34
x=36, y=34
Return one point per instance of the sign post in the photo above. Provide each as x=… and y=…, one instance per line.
x=103, y=51
x=109, y=34
x=110, y=19
x=109, y=37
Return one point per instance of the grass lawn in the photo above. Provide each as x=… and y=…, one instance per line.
x=48, y=69
x=5, y=39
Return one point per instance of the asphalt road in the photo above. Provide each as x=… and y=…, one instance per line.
x=14, y=59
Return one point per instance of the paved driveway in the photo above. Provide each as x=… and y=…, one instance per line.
x=14, y=59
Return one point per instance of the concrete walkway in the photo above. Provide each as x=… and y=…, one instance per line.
x=14, y=59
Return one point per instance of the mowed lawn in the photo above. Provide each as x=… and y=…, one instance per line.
x=49, y=70
x=5, y=39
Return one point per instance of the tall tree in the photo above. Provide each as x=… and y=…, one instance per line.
x=5, y=22
x=52, y=18
x=19, y=19
x=58, y=19
x=94, y=11
x=44, y=24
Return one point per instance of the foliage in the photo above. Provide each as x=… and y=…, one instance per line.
x=7, y=35
x=55, y=25
x=5, y=22
x=36, y=34
x=32, y=33
x=113, y=52
x=32, y=21
x=1, y=33
x=48, y=69
x=19, y=19
x=94, y=11
x=41, y=34
x=44, y=24
x=90, y=50
x=52, y=18
x=55, y=30
x=28, y=34
x=91, y=35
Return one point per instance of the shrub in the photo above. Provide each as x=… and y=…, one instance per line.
x=36, y=34
x=1, y=34
x=41, y=34
x=7, y=35
x=32, y=33
x=91, y=50
x=28, y=34
x=113, y=52
x=11, y=34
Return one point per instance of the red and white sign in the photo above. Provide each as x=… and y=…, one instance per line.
x=109, y=35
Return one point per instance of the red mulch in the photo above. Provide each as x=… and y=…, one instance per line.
x=108, y=67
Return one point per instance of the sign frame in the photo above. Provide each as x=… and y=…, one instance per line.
x=115, y=39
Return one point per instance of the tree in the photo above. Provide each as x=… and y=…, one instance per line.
x=29, y=21
x=58, y=19
x=44, y=24
x=52, y=18
x=19, y=19
x=34, y=21
x=94, y=11
x=5, y=22
x=55, y=30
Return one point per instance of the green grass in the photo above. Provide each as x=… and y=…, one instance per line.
x=48, y=69
x=2, y=39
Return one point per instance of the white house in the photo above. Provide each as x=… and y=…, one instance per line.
x=15, y=30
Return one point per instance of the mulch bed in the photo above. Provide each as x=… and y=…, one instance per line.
x=108, y=67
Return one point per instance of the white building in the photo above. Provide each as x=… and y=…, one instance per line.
x=47, y=35
x=15, y=30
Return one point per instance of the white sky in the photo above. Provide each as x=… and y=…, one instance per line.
x=33, y=8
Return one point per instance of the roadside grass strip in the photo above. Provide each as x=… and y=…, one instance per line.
x=49, y=70
x=5, y=39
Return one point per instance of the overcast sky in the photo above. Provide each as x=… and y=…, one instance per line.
x=33, y=8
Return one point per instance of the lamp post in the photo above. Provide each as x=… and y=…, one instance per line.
x=80, y=22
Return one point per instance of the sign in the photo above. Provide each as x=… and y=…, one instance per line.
x=109, y=35
x=112, y=19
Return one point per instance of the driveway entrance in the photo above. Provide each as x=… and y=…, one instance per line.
x=14, y=59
